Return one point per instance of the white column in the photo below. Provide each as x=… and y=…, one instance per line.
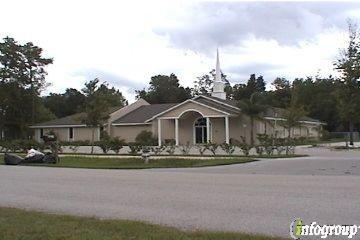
x=208, y=129
x=159, y=131
x=176, y=131
x=227, y=130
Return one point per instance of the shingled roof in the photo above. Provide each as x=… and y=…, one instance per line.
x=72, y=120
x=143, y=113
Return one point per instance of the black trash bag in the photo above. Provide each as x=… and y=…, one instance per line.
x=49, y=158
x=34, y=159
x=11, y=159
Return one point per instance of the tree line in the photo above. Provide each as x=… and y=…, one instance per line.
x=333, y=100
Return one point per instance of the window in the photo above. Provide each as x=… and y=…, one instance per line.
x=71, y=133
x=200, y=131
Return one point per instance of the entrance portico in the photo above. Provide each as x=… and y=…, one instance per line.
x=193, y=126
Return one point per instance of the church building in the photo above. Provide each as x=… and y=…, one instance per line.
x=199, y=120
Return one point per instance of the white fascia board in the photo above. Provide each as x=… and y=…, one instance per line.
x=214, y=100
x=58, y=126
x=189, y=100
x=315, y=123
x=129, y=124
x=283, y=119
x=275, y=118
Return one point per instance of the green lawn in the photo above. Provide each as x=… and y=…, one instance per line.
x=16, y=224
x=137, y=163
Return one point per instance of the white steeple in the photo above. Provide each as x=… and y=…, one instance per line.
x=219, y=85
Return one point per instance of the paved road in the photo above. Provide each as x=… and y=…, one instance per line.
x=261, y=197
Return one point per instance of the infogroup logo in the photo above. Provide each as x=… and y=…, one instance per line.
x=298, y=229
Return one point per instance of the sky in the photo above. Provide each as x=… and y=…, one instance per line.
x=126, y=42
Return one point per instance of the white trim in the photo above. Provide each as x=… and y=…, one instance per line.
x=208, y=130
x=284, y=119
x=194, y=131
x=176, y=131
x=227, y=130
x=159, y=132
x=180, y=104
x=275, y=118
x=166, y=118
x=215, y=109
x=217, y=101
x=190, y=110
x=167, y=110
x=130, y=124
x=58, y=126
x=315, y=123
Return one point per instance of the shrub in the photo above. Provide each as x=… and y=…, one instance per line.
x=259, y=150
x=289, y=146
x=185, y=149
x=76, y=143
x=228, y=148
x=170, y=149
x=266, y=143
x=134, y=148
x=116, y=144
x=244, y=146
x=325, y=135
x=158, y=149
x=104, y=144
x=74, y=148
x=212, y=147
x=201, y=149
x=146, y=138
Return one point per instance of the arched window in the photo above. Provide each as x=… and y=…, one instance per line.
x=200, y=131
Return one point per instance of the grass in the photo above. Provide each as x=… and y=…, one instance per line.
x=137, y=163
x=16, y=224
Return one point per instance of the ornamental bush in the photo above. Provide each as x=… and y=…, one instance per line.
x=146, y=138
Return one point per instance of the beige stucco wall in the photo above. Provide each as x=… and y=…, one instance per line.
x=129, y=132
x=310, y=130
x=84, y=133
x=122, y=112
x=80, y=133
x=191, y=105
x=167, y=128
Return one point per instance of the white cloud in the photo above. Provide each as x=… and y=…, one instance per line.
x=120, y=40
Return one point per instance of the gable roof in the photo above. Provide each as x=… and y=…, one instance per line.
x=72, y=120
x=143, y=113
x=231, y=103
x=274, y=112
x=218, y=105
x=270, y=112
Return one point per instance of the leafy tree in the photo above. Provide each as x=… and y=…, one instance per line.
x=96, y=108
x=65, y=104
x=281, y=96
x=254, y=84
x=317, y=96
x=22, y=76
x=253, y=108
x=292, y=116
x=204, y=84
x=164, y=89
x=113, y=96
x=348, y=92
